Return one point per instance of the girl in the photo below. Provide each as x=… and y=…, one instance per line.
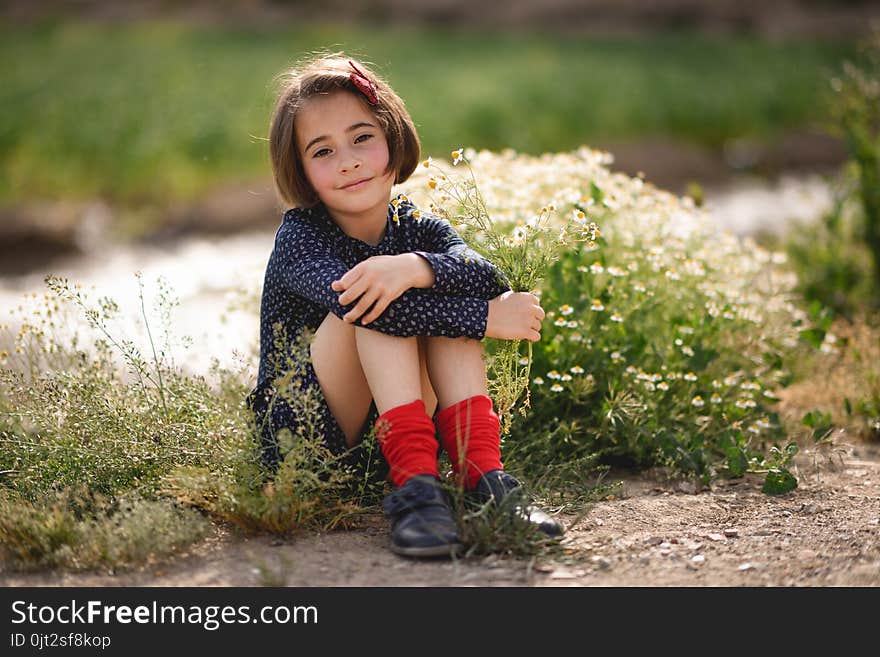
x=396, y=305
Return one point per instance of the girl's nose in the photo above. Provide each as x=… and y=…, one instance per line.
x=349, y=163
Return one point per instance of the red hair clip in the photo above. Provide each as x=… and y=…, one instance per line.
x=364, y=84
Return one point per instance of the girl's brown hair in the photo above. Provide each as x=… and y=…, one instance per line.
x=323, y=75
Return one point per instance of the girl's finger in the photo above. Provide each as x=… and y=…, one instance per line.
x=348, y=278
x=363, y=305
x=534, y=336
x=378, y=308
x=356, y=289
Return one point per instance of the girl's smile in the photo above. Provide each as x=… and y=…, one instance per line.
x=358, y=184
x=345, y=157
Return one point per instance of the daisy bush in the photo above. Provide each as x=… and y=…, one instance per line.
x=665, y=341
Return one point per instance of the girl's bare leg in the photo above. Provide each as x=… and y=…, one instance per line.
x=392, y=366
x=335, y=359
x=456, y=369
x=337, y=363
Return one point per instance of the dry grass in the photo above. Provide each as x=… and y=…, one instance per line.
x=844, y=374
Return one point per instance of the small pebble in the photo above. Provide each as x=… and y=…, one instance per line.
x=746, y=566
x=731, y=533
x=714, y=536
x=698, y=558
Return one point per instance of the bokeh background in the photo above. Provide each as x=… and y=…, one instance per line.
x=146, y=119
x=132, y=135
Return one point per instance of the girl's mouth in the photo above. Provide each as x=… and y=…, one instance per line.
x=357, y=184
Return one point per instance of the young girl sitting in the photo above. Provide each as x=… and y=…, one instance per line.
x=396, y=301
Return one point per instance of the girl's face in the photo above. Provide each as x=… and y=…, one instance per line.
x=344, y=153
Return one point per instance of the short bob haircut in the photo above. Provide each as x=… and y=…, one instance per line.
x=321, y=75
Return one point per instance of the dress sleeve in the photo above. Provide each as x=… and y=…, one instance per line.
x=307, y=267
x=458, y=269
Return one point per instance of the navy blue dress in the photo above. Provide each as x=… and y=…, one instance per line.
x=311, y=251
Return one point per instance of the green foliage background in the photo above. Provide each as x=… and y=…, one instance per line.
x=153, y=112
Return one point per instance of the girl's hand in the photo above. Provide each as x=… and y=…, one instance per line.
x=515, y=316
x=378, y=281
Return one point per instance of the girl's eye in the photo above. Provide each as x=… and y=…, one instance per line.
x=321, y=152
x=363, y=138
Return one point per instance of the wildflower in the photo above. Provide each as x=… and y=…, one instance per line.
x=716, y=383
x=750, y=385
x=523, y=361
x=697, y=401
x=538, y=381
x=615, y=356
x=553, y=374
x=678, y=342
x=556, y=388
x=572, y=324
x=427, y=162
x=631, y=370
x=457, y=156
x=763, y=423
x=566, y=310
x=432, y=182
x=583, y=269
x=687, y=351
x=715, y=398
x=560, y=322
x=690, y=376
x=638, y=287
x=745, y=403
x=672, y=275
x=769, y=394
x=597, y=306
x=577, y=369
x=415, y=214
x=579, y=217
x=729, y=314
x=597, y=268
x=616, y=317
x=663, y=386
x=615, y=271
x=565, y=377
x=730, y=381
x=649, y=386
x=755, y=429
x=575, y=337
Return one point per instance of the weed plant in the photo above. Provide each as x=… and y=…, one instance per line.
x=109, y=463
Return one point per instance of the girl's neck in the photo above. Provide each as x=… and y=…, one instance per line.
x=367, y=226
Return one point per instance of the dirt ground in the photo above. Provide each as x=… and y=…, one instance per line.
x=653, y=533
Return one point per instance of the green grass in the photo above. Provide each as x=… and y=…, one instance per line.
x=155, y=112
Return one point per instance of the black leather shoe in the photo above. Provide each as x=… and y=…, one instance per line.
x=496, y=486
x=421, y=520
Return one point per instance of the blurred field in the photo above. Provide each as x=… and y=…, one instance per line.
x=156, y=112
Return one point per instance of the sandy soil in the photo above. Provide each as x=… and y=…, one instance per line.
x=654, y=533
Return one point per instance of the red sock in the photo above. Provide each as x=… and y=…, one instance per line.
x=406, y=436
x=471, y=434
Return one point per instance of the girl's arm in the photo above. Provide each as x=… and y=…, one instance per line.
x=458, y=269
x=308, y=267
